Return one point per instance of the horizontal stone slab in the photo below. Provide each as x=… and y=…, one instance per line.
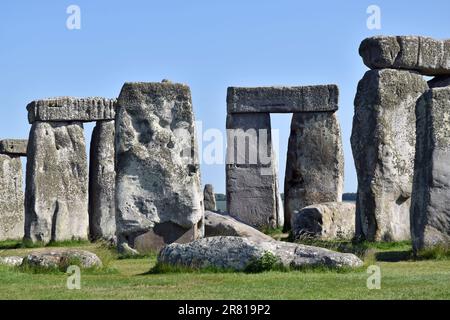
x=71, y=109
x=425, y=55
x=283, y=99
x=14, y=147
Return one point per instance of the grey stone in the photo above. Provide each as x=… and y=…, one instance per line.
x=282, y=99
x=102, y=176
x=315, y=162
x=383, y=143
x=12, y=261
x=71, y=109
x=14, y=147
x=62, y=258
x=251, y=172
x=439, y=81
x=11, y=198
x=325, y=221
x=56, y=201
x=209, y=198
x=158, y=195
x=224, y=225
x=238, y=253
x=430, y=208
x=422, y=54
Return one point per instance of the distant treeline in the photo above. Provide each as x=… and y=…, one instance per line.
x=345, y=197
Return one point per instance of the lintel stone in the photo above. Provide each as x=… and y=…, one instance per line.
x=16, y=147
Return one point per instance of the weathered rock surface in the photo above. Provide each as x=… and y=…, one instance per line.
x=62, y=258
x=238, y=253
x=383, y=143
x=224, y=225
x=430, y=208
x=102, y=176
x=56, y=204
x=282, y=99
x=209, y=198
x=71, y=109
x=315, y=162
x=251, y=174
x=422, y=54
x=158, y=195
x=14, y=147
x=11, y=198
x=12, y=261
x=325, y=221
x=439, y=81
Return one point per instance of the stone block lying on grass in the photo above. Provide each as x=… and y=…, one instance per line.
x=12, y=261
x=62, y=258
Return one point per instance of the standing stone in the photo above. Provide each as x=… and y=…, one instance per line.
x=56, y=204
x=102, y=175
x=11, y=198
x=383, y=143
x=430, y=208
x=315, y=162
x=158, y=195
x=209, y=198
x=250, y=171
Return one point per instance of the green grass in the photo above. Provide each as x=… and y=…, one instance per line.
x=403, y=277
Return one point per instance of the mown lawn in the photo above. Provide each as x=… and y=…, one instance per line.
x=402, y=278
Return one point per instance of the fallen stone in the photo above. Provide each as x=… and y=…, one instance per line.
x=236, y=253
x=71, y=109
x=56, y=201
x=325, y=221
x=158, y=195
x=12, y=261
x=102, y=176
x=282, y=99
x=209, y=198
x=224, y=225
x=14, y=147
x=62, y=259
x=11, y=198
x=439, y=81
x=383, y=143
x=422, y=54
x=430, y=209
x=315, y=162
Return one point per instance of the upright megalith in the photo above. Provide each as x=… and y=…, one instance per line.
x=11, y=193
x=56, y=204
x=102, y=182
x=430, y=208
x=158, y=190
x=383, y=144
x=209, y=198
x=315, y=162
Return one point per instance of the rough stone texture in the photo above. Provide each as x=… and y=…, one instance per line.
x=62, y=258
x=209, y=198
x=237, y=253
x=224, y=225
x=11, y=198
x=425, y=55
x=439, y=81
x=71, y=109
x=56, y=204
x=282, y=99
x=251, y=172
x=14, y=147
x=158, y=195
x=12, y=261
x=383, y=143
x=102, y=175
x=325, y=221
x=430, y=207
x=315, y=162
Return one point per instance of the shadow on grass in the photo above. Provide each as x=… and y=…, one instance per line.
x=394, y=256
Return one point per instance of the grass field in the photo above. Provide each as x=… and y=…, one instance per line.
x=402, y=278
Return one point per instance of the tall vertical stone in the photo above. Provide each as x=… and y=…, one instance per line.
x=102, y=175
x=209, y=198
x=11, y=198
x=158, y=195
x=383, y=143
x=315, y=162
x=56, y=205
x=430, y=208
x=250, y=171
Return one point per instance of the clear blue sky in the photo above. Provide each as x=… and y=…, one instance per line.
x=209, y=45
